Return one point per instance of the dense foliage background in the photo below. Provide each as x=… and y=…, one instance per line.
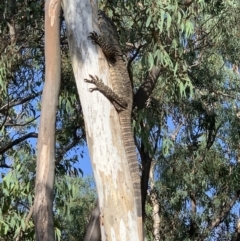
x=188, y=130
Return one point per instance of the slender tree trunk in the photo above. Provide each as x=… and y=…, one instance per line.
x=93, y=232
x=155, y=205
x=118, y=216
x=43, y=203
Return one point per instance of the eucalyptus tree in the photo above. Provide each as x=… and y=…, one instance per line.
x=21, y=79
x=188, y=127
x=182, y=58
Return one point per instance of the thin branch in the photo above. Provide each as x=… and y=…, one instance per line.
x=130, y=62
x=5, y=119
x=155, y=204
x=93, y=231
x=134, y=56
x=236, y=235
x=175, y=133
x=26, y=223
x=146, y=88
x=67, y=148
x=222, y=215
x=17, y=141
x=16, y=124
x=146, y=166
x=5, y=166
x=213, y=137
x=18, y=102
x=193, y=231
x=157, y=139
x=226, y=95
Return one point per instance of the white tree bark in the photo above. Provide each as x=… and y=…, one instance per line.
x=155, y=205
x=118, y=218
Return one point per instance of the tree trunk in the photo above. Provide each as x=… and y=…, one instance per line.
x=93, y=232
x=43, y=203
x=118, y=217
x=155, y=205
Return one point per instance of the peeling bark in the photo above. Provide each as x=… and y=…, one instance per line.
x=43, y=203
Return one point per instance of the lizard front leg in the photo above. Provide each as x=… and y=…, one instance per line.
x=119, y=103
x=108, y=49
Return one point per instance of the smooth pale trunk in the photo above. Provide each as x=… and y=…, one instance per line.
x=45, y=173
x=118, y=219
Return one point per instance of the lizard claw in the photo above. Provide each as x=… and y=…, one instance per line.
x=92, y=77
x=90, y=80
x=93, y=36
x=92, y=89
x=94, y=80
x=87, y=80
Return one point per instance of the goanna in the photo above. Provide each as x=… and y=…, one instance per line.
x=121, y=96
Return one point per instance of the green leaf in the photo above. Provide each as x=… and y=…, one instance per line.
x=6, y=228
x=23, y=224
x=182, y=89
x=179, y=18
x=148, y=20
x=150, y=60
x=161, y=21
x=169, y=20
x=166, y=146
x=175, y=69
x=57, y=234
x=189, y=28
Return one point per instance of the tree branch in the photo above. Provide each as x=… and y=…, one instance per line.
x=236, y=235
x=4, y=165
x=146, y=88
x=17, y=141
x=16, y=124
x=146, y=166
x=67, y=148
x=18, y=102
x=220, y=217
x=194, y=229
x=18, y=238
x=93, y=232
x=130, y=62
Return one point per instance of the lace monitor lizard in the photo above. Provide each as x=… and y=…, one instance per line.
x=121, y=96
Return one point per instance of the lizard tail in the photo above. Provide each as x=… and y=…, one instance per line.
x=130, y=150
